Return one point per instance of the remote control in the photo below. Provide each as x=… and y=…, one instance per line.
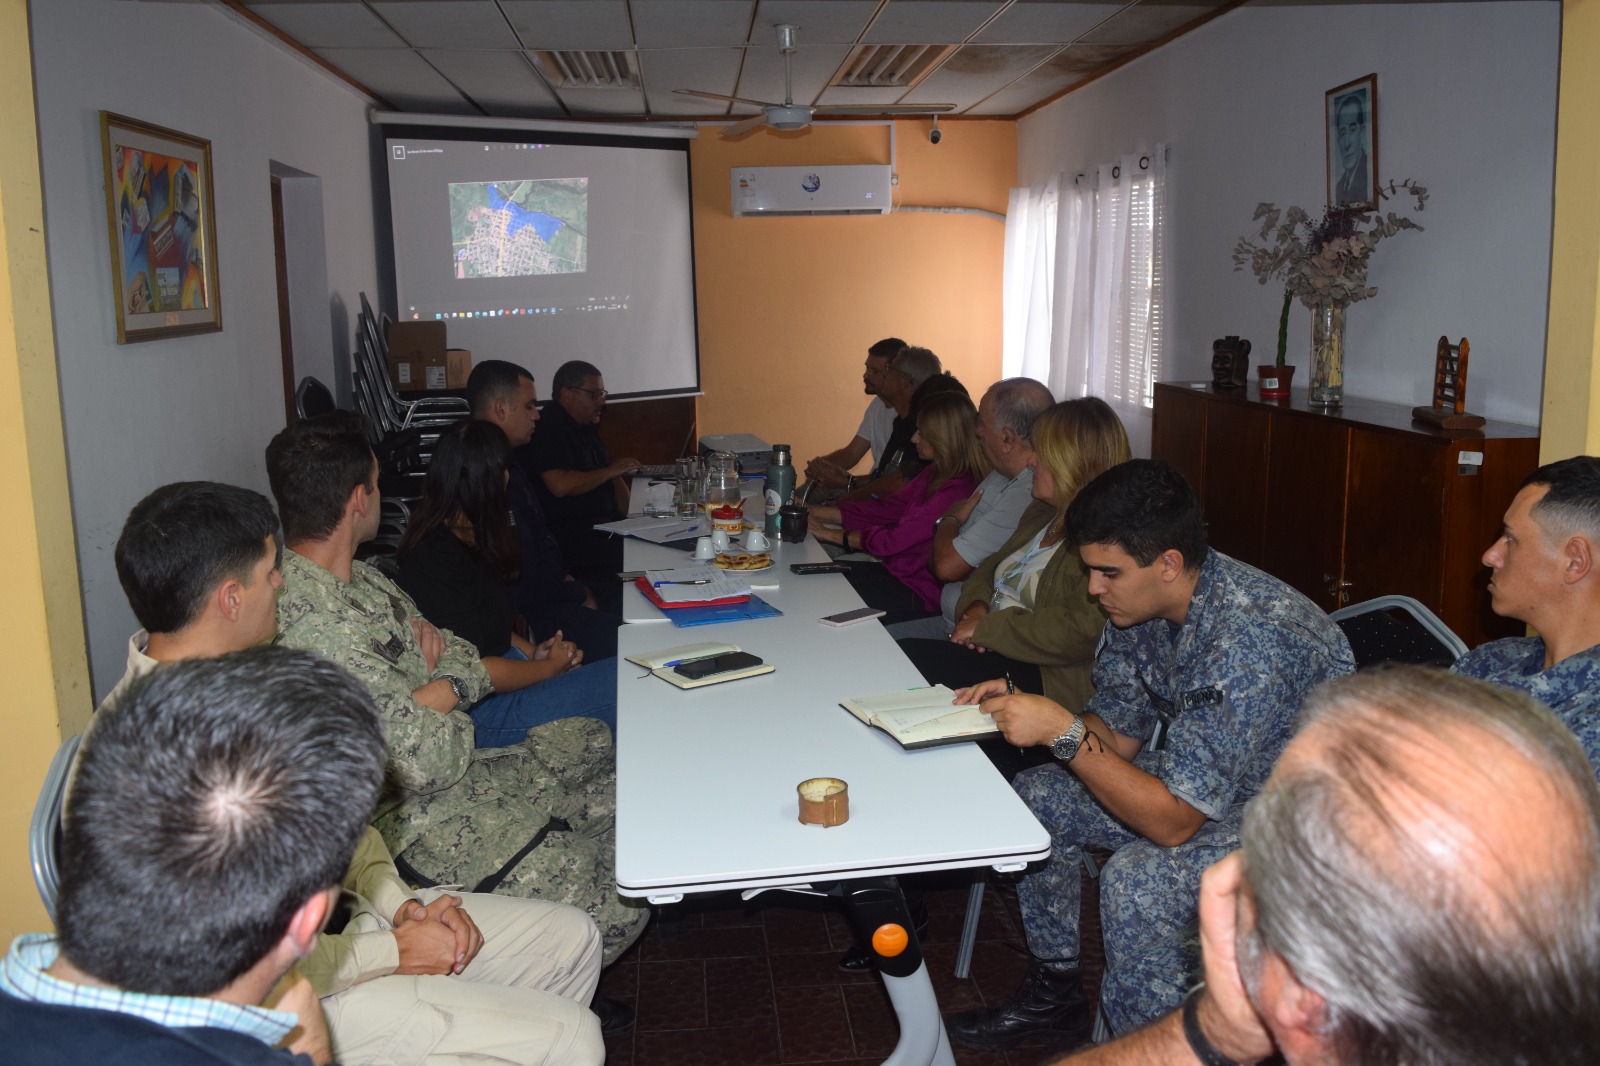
x=818, y=568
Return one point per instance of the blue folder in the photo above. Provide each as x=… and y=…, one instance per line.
x=754, y=607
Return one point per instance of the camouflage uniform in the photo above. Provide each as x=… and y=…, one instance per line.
x=1223, y=688
x=451, y=812
x=1571, y=687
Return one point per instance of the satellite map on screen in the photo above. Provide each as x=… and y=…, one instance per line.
x=512, y=229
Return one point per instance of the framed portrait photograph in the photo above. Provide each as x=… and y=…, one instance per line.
x=163, y=229
x=1351, y=113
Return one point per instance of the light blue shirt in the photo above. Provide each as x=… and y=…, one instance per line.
x=22, y=975
x=990, y=525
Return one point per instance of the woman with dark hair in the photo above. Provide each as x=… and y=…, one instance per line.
x=458, y=560
x=899, y=528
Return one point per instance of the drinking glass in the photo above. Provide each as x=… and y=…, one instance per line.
x=687, y=492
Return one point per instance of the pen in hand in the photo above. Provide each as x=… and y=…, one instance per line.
x=1011, y=690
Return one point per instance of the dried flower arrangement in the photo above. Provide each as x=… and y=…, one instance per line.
x=1323, y=260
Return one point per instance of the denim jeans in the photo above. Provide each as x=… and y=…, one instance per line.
x=590, y=691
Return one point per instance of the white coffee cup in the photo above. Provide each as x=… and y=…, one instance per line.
x=757, y=541
x=719, y=540
x=704, y=549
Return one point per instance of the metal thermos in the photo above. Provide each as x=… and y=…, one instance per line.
x=780, y=485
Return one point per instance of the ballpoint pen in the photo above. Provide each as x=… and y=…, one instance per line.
x=1011, y=690
x=696, y=581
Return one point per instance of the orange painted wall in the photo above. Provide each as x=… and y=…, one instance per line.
x=788, y=306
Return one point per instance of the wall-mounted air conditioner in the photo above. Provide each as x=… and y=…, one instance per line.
x=785, y=191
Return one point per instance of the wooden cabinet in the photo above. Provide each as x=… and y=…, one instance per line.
x=1353, y=503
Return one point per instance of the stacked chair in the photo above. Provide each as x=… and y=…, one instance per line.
x=402, y=432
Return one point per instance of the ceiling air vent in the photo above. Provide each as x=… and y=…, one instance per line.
x=877, y=66
x=587, y=70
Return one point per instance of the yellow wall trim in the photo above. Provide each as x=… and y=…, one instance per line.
x=42, y=653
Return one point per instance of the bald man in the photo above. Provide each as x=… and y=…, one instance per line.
x=1388, y=903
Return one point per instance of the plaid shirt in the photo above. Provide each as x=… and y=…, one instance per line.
x=22, y=975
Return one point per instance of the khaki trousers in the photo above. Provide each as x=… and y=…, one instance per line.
x=523, y=1000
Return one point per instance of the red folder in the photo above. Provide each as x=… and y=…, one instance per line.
x=644, y=586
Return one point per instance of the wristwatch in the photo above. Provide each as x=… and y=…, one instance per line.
x=459, y=687
x=1065, y=747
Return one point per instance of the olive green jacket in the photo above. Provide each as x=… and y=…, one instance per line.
x=1062, y=631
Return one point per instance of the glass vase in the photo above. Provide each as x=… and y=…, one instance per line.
x=1327, y=354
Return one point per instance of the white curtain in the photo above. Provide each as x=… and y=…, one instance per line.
x=1028, y=271
x=1086, y=254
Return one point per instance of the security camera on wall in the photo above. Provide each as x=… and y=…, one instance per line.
x=935, y=135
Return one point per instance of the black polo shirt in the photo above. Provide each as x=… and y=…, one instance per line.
x=559, y=443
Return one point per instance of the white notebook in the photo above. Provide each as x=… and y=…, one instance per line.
x=921, y=717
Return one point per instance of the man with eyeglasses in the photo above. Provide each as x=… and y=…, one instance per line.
x=578, y=483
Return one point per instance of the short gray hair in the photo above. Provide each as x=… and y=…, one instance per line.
x=1423, y=956
x=917, y=364
x=1017, y=402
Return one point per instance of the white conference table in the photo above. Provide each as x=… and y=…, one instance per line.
x=706, y=778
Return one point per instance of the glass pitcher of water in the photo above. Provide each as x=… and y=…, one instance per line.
x=722, y=480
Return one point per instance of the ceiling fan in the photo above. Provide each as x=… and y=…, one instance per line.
x=792, y=116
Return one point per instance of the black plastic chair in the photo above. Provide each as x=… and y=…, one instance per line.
x=312, y=398
x=1378, y=633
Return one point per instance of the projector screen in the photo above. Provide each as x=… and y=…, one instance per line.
x=538, y=247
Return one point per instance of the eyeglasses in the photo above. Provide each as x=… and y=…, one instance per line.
x=596, y=394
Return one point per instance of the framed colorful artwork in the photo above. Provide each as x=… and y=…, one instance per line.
x=163, y=227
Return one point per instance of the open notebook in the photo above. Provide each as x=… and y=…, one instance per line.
x=921, y=717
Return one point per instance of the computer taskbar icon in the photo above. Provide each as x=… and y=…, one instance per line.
x=497, y=312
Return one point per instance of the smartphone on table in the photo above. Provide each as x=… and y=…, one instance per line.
x=850, y=618
x=695, y=669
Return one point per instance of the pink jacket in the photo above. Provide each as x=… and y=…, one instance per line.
x=899, y=528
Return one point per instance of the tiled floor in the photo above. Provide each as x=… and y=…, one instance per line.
x=718, y=982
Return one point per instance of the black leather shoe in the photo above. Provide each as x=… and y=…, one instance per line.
x=1048, y=1011
x=615, y=1015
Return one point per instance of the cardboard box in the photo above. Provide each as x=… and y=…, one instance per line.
x=419, y=360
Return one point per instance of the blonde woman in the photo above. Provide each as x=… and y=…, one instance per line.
x=1026, y=610
x=899, y=528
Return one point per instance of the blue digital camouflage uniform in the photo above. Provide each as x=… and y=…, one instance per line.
x=1571, y=687
x=1224, y=687
x=454, y=813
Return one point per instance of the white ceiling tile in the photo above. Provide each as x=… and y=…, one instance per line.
x=976, y=71
x=691, y=23
x=1036, y=22
x=886, y=95
x=499, y=82
x=813, y=67
x=725, y=46
x=712, y=70
x=337, y=24
x=929, y=21
x=820, y=21
x=1025, y=92
x=400, y=77
x=448, y=23
x=571, y=25
x=582, y=101
x=1144, y=23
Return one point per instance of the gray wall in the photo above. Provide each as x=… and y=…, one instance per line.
x=141, y=415
x=1466, y=105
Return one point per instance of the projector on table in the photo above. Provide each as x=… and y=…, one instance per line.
x=754, y=454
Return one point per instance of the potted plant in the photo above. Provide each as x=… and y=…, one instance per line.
x=1324, y=263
